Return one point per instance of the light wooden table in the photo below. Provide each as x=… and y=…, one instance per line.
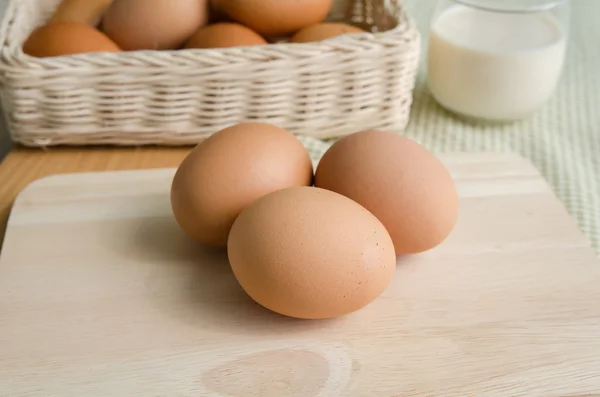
x=23, y=166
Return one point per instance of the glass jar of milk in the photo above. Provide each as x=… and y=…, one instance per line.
x=496, y=59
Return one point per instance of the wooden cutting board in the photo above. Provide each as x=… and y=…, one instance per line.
x=102, y=295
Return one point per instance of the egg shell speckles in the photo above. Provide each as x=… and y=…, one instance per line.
x=402, y=183
x=310, y=253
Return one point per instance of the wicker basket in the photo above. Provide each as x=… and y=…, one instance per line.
x=325, y=90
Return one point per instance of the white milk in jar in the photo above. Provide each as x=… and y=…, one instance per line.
x=494, y=65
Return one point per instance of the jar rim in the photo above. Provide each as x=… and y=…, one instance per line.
x=513, y=7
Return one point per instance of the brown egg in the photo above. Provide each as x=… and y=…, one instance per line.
x=222, y=35
x=310, y=253
x=399, y=181
x=229, y=171
x=276, y=17
x=323, y=31
x=67, y=38
x=154, y=24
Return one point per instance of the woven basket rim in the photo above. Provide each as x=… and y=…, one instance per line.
x=324, y=89
x=13, y=59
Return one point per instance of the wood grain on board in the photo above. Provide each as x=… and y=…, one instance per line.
x=102, y=295
x=23, y=166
